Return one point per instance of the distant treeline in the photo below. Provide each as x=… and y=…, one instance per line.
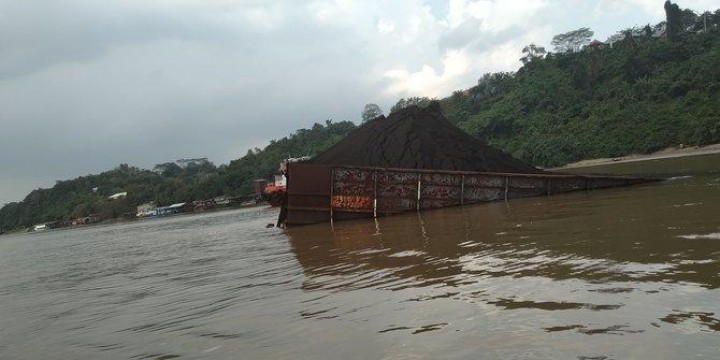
x=642, y=90
x=167, y=183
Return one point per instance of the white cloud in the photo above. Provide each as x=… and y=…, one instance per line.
x=617, y=7
x=498, y=15
x=385, y=26
x=656, y=9
x=427, y=81
x=473, y=38
x=264, y=18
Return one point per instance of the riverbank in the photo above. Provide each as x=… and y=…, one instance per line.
x=115, y=221
x=667, y=153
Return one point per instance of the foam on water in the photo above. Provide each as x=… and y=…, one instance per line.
x=711, y=236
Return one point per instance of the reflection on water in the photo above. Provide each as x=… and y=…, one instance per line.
x=640, y=234
x=639, y=262
x=614, y=274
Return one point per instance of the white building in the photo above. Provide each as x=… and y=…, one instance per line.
x=117, y=195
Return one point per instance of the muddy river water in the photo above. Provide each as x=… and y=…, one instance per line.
x=631, y=273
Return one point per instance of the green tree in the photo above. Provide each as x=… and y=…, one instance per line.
x=640, y=97
x=263, y=163
x=690, y=20
x=572, y=41
x=168, y=169
x=492, y=84
x=411, y=101
x=673, y=18
x=532, y=52
x=371, y=111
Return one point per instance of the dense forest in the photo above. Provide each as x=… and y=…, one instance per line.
x=641, y=90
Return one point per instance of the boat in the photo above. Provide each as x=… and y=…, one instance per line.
x=325, y=193
x=416, y=160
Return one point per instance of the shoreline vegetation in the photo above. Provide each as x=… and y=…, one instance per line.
x=667, y=153
x=641, y=90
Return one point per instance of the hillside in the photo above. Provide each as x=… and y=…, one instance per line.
x=643, y=90
x=167, y=183
x=644, y=93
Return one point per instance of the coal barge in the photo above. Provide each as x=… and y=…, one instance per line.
x=416, y=160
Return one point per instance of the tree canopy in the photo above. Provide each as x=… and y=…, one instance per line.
x=371, y=111
x=170, y=182
x=674, y=20
x=639, y=95
x=532, y=52
x=572, y=41
x=411, y=101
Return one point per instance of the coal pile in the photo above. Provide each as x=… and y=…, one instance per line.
x=419, y=138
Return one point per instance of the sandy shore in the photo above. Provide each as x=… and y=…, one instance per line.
x=662, y=154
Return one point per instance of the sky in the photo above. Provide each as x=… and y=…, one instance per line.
x=86, y=85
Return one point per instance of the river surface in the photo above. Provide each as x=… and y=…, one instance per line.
x=631, y=273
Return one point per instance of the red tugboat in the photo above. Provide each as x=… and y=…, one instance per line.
x=274, y=193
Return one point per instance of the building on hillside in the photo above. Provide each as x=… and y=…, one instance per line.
x=117, y=195
x=597, y=45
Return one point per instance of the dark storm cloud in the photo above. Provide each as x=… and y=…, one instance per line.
x=84, y=88
x=38, y=34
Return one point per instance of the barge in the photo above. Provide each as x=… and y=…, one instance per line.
x=415, y=160
x=325, y=193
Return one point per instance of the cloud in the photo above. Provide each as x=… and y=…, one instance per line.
x=497, y=15
x=469, y=35
x=86, y=85
x=473, y=38
x=655, y=8
x=428, y=81
x=385, y=26
x=39, y=34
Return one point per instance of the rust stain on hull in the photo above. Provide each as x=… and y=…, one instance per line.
x=322, y=193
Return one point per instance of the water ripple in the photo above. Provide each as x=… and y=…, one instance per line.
x=538, y=278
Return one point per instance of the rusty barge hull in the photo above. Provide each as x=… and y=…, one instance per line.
x=322, y=193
